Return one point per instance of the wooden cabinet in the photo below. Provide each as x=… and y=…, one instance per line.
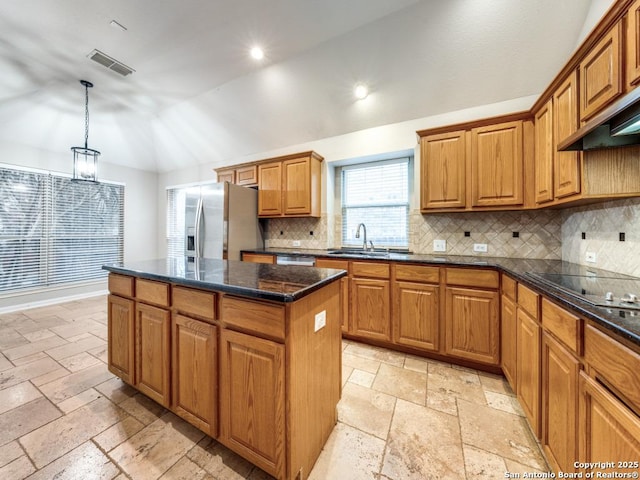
x=195, y=372
x=370, y=301
x=228, y=175
x=497, y=164
x=559, y=381
x=252, y=399
x=258, y=258
x=633, y=45
x=121, y=334
x=344, y=286
x=443, y=170
x=528, y=368
x=246, y=175
x=544, y=148
x=290, y=186
x=153, y=352
x=416, y=306
x=601, y=74
x=508, y=343
x=566, y=171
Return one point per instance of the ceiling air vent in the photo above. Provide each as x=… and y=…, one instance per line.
x=110, y=63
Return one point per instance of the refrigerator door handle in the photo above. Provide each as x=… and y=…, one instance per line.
x=198, y=239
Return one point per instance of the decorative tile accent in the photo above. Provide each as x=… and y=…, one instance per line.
x=602, y=224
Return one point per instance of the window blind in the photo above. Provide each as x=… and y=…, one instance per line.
x=376, y=194
x=54, y=231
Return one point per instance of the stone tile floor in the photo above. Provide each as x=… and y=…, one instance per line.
x=64, y=416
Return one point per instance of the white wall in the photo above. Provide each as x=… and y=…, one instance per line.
x=140, y=212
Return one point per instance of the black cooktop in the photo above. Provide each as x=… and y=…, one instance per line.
x=600, y=290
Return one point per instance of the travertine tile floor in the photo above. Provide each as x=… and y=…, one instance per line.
x=64, y=416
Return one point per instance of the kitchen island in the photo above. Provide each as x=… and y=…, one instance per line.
x=248, y=353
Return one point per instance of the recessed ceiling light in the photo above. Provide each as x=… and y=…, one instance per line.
x=257, y=53
x=361, y=91
x=117, y=25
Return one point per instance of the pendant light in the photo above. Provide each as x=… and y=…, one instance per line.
x=85, y=159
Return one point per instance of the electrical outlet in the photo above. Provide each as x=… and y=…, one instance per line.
x=590, y=257
x=480, y=247
x=320, y=321
x=439, y=245
x=296, y=243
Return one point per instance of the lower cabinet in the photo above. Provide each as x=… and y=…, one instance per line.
x=416, y=315
x=252, y=399
x=508, y=344
x=153, y=352
x=370, y=301
x=560, y=371
x=472, y=324
x=528, y=371
x=195, y=372
x=121, y=315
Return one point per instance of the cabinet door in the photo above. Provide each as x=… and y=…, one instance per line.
x=195, y=372
x=370, y=312
x=153, y=352
x=566, y=175
x=544, y=148
x=121, y=337
x=416, y=315
x=270, y=189
x=247, y=175
x=508, y=344
x=497, y=165
x=252, y=399
x=296, y=186
x=560, y=372
x=227, y=176
x=528, y=368
x=633, y=45
x=609, y=431
x=443, y=170
x=600, y=74
x=472, y=325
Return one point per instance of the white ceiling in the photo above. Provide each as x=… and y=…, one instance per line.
x=197, y=97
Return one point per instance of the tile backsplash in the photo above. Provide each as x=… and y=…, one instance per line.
x=312, y=233
x=602, y=224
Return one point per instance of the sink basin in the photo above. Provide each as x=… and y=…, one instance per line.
x=359, y=253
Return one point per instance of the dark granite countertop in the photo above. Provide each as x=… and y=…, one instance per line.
x=255, y=280
x=625, y=323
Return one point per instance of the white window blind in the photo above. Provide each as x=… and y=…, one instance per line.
x=376, y=194
x=54, y=231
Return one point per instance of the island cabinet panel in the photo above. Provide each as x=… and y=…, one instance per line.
x=370, y=308
x=472, y=325
x=258, y=317
x=560, y=371
x=601, y=74
x=194, y=302
x=121, y=334
x=416, y=315
x=497, y=163
x=270, y=189
x=443, y=170
x=252, y=399
x=195, y=372
x=566, y=172
x=153, y=352
x=508, y=344
x=344, y=286
x=528, y=368
x=544, y=153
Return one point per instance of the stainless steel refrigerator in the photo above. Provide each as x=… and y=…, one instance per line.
x=220, y=221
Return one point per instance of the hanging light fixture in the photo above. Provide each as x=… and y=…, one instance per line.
x=85, y=159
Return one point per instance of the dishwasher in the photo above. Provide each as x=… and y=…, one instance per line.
x=304, y=261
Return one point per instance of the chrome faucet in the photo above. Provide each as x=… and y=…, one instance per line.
x=364, y=243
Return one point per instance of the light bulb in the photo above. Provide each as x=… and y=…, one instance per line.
x=361, y=91
x=257, y=53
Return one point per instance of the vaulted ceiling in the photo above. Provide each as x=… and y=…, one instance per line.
x=197, y=96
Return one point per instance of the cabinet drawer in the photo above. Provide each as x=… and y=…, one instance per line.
x=614, y=363
x=332, y=263
x=257, y=317
x=417, y=273
x=509, y=288
x=370, y=269
x=529, y=301
x=258, y=258
x=470, y=277
x=121, y=285
x=152, y=292
x=195, y=302
x=564, y=325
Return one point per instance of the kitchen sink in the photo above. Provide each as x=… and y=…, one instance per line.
x=360, y=253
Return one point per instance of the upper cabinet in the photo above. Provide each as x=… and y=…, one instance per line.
x=601, y=74
x=633, y=45
x=566, y=171
x=246, y=175
x=544, y=153
x=290, y=186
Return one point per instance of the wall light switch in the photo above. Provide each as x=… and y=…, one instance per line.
x=480, y=247
x=439, y=245
x=296, y=243
x=321, y=320
x=591, y=257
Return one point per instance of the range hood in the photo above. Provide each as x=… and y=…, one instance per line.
x=616, y=126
